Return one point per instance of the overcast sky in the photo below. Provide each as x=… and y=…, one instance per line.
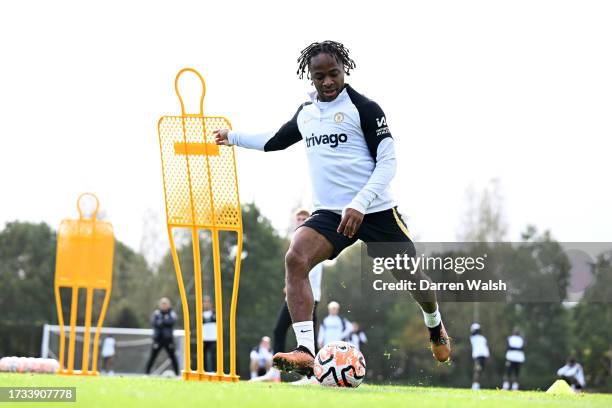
x=472, y=90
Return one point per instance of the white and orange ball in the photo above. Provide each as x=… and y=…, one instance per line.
x=339, y=364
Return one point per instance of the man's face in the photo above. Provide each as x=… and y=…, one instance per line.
x=300, y=219
x=333, y=310
x=327, y=76
x=207, y=304
x=164, y=305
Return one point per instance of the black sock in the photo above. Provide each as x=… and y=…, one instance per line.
x=434, y=332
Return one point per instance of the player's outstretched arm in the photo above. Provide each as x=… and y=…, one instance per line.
x=257, y=141
x=286, y=136
x=266, y=141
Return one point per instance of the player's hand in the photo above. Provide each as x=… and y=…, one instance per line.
x=220, y=137
x=350, y=222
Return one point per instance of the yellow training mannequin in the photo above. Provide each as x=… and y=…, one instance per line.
x=84, y=260
x=201, y=192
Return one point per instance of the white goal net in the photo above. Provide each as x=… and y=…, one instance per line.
x=132, y=348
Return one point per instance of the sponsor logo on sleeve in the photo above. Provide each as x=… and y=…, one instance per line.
x=382, y=128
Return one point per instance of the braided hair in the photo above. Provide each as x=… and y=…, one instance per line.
x=333, y=48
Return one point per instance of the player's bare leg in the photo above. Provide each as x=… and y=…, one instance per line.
x=307, y=249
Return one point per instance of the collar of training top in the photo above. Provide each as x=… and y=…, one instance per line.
x=343, y=94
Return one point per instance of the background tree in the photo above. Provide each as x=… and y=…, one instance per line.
x=592, y=326
x=27, y=265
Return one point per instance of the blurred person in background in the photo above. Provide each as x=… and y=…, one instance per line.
x=209, y=334
x=480, y=353
x=515, y=357
x=261, y=362
x=334, y=327
x=108, y=352
x=573, y=374
x=357, y=337
x=162, y=321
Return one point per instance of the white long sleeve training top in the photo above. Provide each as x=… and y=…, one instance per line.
x=350, y=151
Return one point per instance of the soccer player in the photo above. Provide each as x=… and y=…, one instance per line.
x=209, y=334
x=357, y=337
x=480, y=353
x=515, y=357
x=163, y=320
x=352, y=160
x=108, y=352
x=573, y=374
x=261, y=359
x=283, y=321
x=334, y=327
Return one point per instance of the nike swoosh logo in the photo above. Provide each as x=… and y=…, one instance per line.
x=305, y=331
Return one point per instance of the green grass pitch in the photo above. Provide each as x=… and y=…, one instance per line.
x=120, y=392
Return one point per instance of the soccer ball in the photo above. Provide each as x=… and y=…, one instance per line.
x=339, y=364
